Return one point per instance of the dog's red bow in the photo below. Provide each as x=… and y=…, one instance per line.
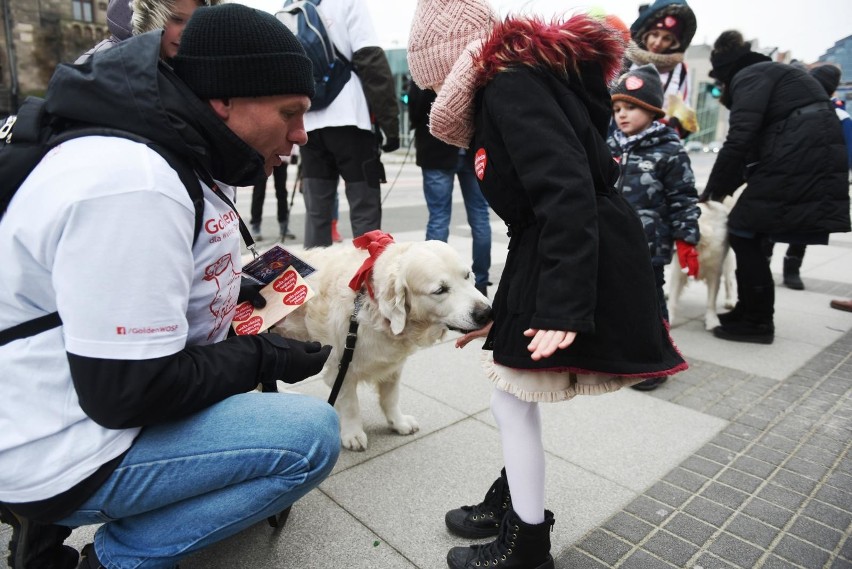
x=375, y=243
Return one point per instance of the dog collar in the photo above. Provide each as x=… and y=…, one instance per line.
x=375, y=242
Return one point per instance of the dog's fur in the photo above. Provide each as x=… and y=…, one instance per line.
x=422, y=289
x=715, y=265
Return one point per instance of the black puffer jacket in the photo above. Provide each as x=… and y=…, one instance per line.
x=786, y=142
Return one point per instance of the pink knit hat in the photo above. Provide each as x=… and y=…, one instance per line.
x=440, y=32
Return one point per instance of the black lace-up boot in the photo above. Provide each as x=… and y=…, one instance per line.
x=518, y=546
x=483, y=519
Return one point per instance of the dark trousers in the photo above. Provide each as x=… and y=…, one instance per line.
x=755, y=287
x=279, y=177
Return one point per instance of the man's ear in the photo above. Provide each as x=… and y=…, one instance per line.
x=222, y=108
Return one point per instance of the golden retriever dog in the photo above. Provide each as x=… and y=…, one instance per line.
x=715, y=265
x=420, y=290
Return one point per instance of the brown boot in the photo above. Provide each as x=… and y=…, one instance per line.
x=842, y=305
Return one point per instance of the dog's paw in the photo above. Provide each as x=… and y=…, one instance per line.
x=356, y=441
x=406, y=425
x=730, y=304
x=711, y=321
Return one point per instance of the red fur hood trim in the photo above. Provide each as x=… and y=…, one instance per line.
x=559, y=45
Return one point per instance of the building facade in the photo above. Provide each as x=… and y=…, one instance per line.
x=36, y=36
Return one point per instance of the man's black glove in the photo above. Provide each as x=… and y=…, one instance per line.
x=303, y=360
x=391, y=144
x=251, y=292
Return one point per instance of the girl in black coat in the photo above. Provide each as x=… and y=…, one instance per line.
x=785, y=141
x=576, y=310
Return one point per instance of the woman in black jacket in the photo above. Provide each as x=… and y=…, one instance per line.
x=576, y=310
x=785, y=141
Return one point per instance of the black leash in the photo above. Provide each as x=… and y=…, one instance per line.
x=399, y=171
x=348, y=350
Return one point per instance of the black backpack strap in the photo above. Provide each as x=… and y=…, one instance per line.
x=189, y=177
x=30, y=328
x=184, y=170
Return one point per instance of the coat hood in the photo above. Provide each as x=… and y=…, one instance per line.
x=563, y=47
x=659, y=9
x=150, y=15
x=129, y=88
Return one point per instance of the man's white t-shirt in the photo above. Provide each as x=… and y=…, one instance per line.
x=349, y=28
x=101, y=231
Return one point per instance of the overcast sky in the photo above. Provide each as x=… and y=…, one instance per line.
x=805, y=27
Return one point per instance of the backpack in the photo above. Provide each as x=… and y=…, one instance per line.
x=24, y=140
x=331, y=69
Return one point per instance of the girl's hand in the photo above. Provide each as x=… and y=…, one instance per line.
x=546, y=342
x=463, y=341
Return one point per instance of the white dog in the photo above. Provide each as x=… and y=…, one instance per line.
x=715, y=265
x=421, y=289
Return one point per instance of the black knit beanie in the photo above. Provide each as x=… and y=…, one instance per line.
x=641, y=87
x=232, y=50
x=828, y=76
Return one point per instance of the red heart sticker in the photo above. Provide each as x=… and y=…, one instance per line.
x=244, y=310
x=250, y=327
x=634, y=83
x=479, y=163
x=296, y=297
x=286, y=282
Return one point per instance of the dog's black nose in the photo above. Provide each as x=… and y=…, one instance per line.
x=482, y=315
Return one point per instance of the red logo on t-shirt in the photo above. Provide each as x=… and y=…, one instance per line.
x=479, y=163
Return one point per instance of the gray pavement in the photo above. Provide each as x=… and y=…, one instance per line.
x=741, y=461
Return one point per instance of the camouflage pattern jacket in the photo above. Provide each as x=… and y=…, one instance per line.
x=656, y=178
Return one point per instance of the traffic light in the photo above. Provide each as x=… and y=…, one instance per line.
x=714, y=90
x=403, y=91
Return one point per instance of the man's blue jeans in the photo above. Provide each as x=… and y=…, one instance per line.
x=438, y=191
x=190, y=483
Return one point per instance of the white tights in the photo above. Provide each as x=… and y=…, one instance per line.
x=523, y=453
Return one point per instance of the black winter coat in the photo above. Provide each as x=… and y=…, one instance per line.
x=786, y=142
x=578, y=258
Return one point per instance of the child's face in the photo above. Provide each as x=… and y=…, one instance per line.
x=659, y=41
x=630, y=118
x=170, y=41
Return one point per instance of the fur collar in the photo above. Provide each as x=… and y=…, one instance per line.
x=559, y=46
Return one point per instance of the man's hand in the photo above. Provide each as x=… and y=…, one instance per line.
x=251, y=292
x=391, y=143
x=687, y=256
x=304, y=359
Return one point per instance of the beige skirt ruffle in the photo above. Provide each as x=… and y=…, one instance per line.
x=550, y=386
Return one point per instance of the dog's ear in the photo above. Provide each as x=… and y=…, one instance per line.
x=392, y=300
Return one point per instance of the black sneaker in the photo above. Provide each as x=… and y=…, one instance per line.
x=483, y=519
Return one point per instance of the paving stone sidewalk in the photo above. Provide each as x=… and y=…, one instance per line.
x=772, y=490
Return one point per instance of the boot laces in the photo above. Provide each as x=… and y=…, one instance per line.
x=498, y=551
x=496, y=502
